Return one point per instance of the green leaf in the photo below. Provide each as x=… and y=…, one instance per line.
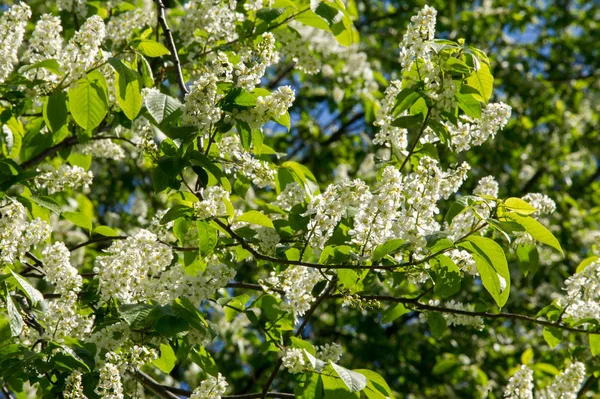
x=437, y=324
x=160, y=105
x=586, y=262
x=46, y=202
x=14, y=315
x=536, y=230
x=128, y=87
x=469, y=104
x=207, y=238
x=175, y=212
x=354, y=381
x=483, y=81
x=377, y=384
x=167, y=360
x=135, y=313
x=88, y=100
x=393, y=312
x=49, y=65
x=552, y=336
x=387, y=248
x=519, y=206
x=404, y=100
x=105, y=231
x=151, y=48
x=310, y=388
x=408, y=121
x=146, y=72
x=79, y=219
x=447, y=277
x=255, y=217
x=456, y=65
x=594, y=341
x=529, y=259
x=55, y=111
x=491, y=263
x=34, y=295
x=169, y=326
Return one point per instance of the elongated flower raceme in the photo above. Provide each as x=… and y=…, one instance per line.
x=12, y=30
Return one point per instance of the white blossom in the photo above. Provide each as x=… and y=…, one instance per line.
x=110, y=385
x=128, y=273
x=294, y=360
x=520, y=385
x=17, y=234
x=258, y=171
x=83, y=49
x=297, y=283
x=213, y=203
x=541, y=202
x=211, y=388
x=293, y=194
x=12, y=29
x=66, y=177
x=74, y=386
x=120, y=28
x=104, y=149
x=567, y=384
x=331, y=352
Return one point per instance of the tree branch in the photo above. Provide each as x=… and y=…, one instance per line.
x=171, y=45
x=414, y=144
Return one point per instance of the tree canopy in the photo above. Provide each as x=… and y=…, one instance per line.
x=323, y=199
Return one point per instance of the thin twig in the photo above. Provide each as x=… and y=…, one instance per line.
x=154, y=386
x=414, y=144
x=171, y=45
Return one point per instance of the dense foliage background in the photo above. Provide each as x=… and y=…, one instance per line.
x=544, y=59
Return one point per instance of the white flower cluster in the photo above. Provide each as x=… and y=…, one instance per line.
x=213, y=203
x=419, y=31
x=79, y=7
x=58, y=269
x=110, y=385
x=520, y=385
x=83, y=49
x=143, y=136
x=267, y=240
x=177, y=282
x=17, y=235
x=464, y=260
x=12, y=29
x=131, y=357
x=259, y=172
x=110, y=338
x=46, y=43
x=253, y=64
x=297, y=283
x=474, y=132
x=294, y=360
x=464, y=222
x=66, y=177
x=255, y=5
x=74, y=386
x=567, y=384
x=292, y=195
x=217, y=18
x=328, y=208
x=211, y=388
x=462, y=320
x=331, y=352
x=274, y=105
x=389, y=135
x=406, y=206
x=62, y=319
x=541, y=202
x=128, y=274
x=294, y=47
x=120, y=28
x=583, y=293
x=104, y=149
x=201, y=108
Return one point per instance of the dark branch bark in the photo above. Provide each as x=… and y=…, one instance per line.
x=171, y=45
